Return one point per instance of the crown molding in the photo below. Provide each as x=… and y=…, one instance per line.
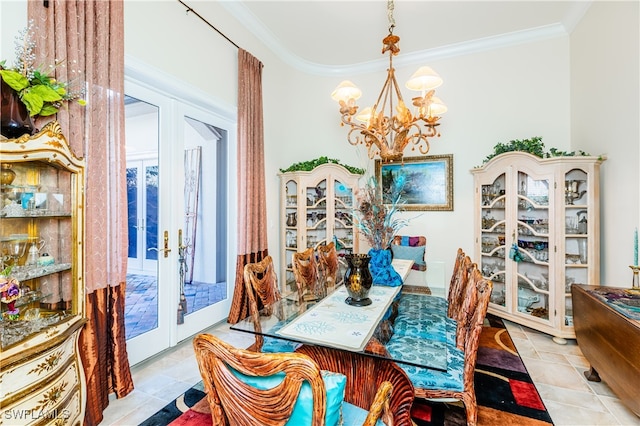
x=575, y=14
x=260, y=31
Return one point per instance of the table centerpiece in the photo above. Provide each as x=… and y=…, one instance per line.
x=377, y=220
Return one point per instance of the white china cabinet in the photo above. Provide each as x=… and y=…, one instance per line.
x=316, y=208
x=537, y=232
x=42, y=227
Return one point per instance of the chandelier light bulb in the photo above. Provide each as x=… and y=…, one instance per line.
x=437, y=107
x=365, y=115
x=424, y=79
x=345, y=91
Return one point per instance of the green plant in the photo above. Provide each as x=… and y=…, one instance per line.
x=38, y=90
x=307, y=166
x=556, y=153
x=6, y=271
x=533, y=146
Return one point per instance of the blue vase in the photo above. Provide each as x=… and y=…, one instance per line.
x=381, y=269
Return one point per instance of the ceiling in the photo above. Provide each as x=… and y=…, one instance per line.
x=331, y=37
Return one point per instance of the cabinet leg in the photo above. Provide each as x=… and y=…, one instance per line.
x=560, y=340
x=592, y=375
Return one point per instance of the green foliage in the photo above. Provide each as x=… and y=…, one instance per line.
x=6, y=271
x=38, y=90
x=307, y=166
x=556, y=153
x=533, y=146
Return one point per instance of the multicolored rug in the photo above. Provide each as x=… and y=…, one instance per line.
x=505, y=392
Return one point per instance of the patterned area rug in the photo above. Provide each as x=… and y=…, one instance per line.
x=506, y=395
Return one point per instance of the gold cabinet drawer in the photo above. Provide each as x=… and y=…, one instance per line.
x=18, y=377
x=58, y=401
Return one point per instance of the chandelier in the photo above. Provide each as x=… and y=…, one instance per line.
x=384, y=133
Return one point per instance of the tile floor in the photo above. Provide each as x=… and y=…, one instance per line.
x=557, y=371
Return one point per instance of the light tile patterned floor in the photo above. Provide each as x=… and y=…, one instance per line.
x=557, y=371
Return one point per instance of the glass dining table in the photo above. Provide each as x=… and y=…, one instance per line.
x=377, y=330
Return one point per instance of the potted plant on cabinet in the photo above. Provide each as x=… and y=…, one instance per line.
x=29, y=91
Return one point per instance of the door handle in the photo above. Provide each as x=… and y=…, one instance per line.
x=166, y=250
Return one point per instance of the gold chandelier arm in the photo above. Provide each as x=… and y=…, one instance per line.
x=390, y=128
x=424, y=150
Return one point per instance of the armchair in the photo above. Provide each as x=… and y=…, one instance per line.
x=258, y=389
x=261, y=284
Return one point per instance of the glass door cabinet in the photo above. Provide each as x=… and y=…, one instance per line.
x=537, y=232
x=42, y=231
x=316, y=209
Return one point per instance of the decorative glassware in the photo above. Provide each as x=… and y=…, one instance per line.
x=358, y=280
x=292, y=219
x=7, y=175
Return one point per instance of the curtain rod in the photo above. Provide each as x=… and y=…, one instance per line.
x=190, y=9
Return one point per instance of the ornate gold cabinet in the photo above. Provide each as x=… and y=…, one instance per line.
x=316, y=209
x=41, y=232
x=536, y=233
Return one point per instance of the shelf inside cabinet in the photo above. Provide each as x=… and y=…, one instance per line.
x=30, y=297
x=36, y=214
x=13, y=332
x=29, y=273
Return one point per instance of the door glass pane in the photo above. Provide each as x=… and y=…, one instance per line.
x=141, y=303
x=204, y=234
x=343, y=226
x=316, y=214
x=291, y=234
x=577, y=259
x=493, y=243
x=533, y=246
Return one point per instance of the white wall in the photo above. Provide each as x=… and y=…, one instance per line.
x=493, y=96
x=605, y=119
x=13, y=18
x=496, y=96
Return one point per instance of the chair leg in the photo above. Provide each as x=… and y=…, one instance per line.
x=471, y=408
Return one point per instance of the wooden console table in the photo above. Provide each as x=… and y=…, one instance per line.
x=610, y=341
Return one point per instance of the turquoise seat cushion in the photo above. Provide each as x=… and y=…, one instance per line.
x=420, y=302
x=354, y=415
x=410, y=253
x=273, y=345
x=424, y=378
x=303, y=409
x=427, y=326
x=420, y=351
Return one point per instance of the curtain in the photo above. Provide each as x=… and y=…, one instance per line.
x=89, y=35
x=252, y=206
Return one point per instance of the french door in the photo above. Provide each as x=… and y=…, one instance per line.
x=178, y=270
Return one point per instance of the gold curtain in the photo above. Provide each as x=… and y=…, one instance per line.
x=89, y=35
x=252, y=206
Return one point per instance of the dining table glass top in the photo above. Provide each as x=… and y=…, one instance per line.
x=408, y=328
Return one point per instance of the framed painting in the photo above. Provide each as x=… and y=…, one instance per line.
x=429, y=181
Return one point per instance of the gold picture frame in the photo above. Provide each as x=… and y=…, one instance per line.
x=429, y=181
